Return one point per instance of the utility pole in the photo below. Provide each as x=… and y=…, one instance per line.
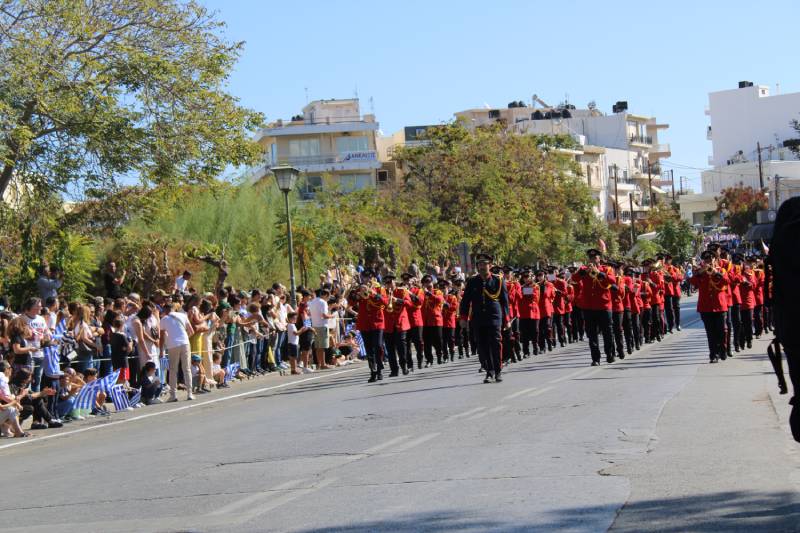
x=650, y=184
x=616, y=197
x=760, y=170
x=672, y=179
x=633, y=231
x=681, y=178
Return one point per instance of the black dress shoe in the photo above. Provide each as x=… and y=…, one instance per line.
x=678, y=328
x=595, y=363
x=610, y=359
x=498, y=379
x=380, y=376
x=488, y=378
x=393, y=373
x=373, y=377
x=405, y=371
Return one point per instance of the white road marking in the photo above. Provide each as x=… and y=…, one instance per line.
x=465, y=413
x=538, y=392
x=277, y=501
x=569, y=376
x=249, y=500
x=175, y=410
x=519, y=393
x=385, y=445
x=487, y=413
x=416, y=442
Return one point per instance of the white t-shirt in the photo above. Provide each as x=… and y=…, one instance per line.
x=181, y=284
x=280, y=323
x=5, y=391
x=38, y=326
x=175, y=325
x=291, y=331
x=317, y=308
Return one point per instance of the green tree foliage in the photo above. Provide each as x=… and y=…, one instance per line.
x=94, y=91
x=34, y=234
x=645, y=249
x=517, y=196
x=678, y=238
x=741, y=205
x=239, y=219
x=75, y=256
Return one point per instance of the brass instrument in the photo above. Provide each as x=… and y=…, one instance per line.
x=593, y=272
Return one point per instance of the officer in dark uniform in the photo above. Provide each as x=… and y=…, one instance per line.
x=485, y=305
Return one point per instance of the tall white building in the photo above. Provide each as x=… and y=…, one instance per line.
x=742, y=121
x=330, y=139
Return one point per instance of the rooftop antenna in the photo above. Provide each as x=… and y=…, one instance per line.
x=306, y=89
x=355, y=92
x=371, y=106
x=778, y=88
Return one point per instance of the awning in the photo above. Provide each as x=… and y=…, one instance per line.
x=759, y=232
x=659, y=190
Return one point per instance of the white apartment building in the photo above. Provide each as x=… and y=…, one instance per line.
x=622, y=150
x=742, y=120
x=330, y=141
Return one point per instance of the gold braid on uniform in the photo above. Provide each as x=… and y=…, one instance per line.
x=493, y=296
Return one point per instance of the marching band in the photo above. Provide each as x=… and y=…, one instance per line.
x=504, y=315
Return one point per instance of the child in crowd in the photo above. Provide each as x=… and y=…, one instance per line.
x=121, y=348
x=218, y=373
x=100, y=400
x=199, y=380
x=151, y=384
x=293, y=340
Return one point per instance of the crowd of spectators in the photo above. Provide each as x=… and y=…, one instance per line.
x=177, y=340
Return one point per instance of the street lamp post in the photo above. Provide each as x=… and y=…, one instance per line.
x=286, y=177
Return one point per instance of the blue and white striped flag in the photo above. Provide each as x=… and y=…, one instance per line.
x=362, y=349
x=85, y=400
x=105, y=384
x=136, y=399
x=231, y=371
x=120, y=398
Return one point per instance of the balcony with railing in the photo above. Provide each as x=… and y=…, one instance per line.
x=641, y=139
x=326, y=124
x=360, y=160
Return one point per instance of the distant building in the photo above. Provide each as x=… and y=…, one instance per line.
x=331, y=138
x=743, y=119
x=621, y=147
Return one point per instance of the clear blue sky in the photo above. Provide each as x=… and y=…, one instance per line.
x=422, y=61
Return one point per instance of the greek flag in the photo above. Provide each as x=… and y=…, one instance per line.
x=136, y=399
x=120, y=398
x=231, y=371
x=105, y=384
x=86, y=397
x=362, y=349
x=163, y=366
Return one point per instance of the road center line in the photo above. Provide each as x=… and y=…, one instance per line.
x=239, y=504
x=465, y=413
x=416, y=442
x=387, y=444
x=519, y=393
x=538, y=392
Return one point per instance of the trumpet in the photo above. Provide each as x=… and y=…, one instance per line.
x=593, y=272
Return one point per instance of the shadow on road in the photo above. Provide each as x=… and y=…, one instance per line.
x=725, y=511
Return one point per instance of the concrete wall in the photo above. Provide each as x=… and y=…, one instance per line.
x=740, y=118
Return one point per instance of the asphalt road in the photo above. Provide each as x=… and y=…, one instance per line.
x=661, y=441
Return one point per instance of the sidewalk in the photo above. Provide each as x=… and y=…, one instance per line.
x=723, y=458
